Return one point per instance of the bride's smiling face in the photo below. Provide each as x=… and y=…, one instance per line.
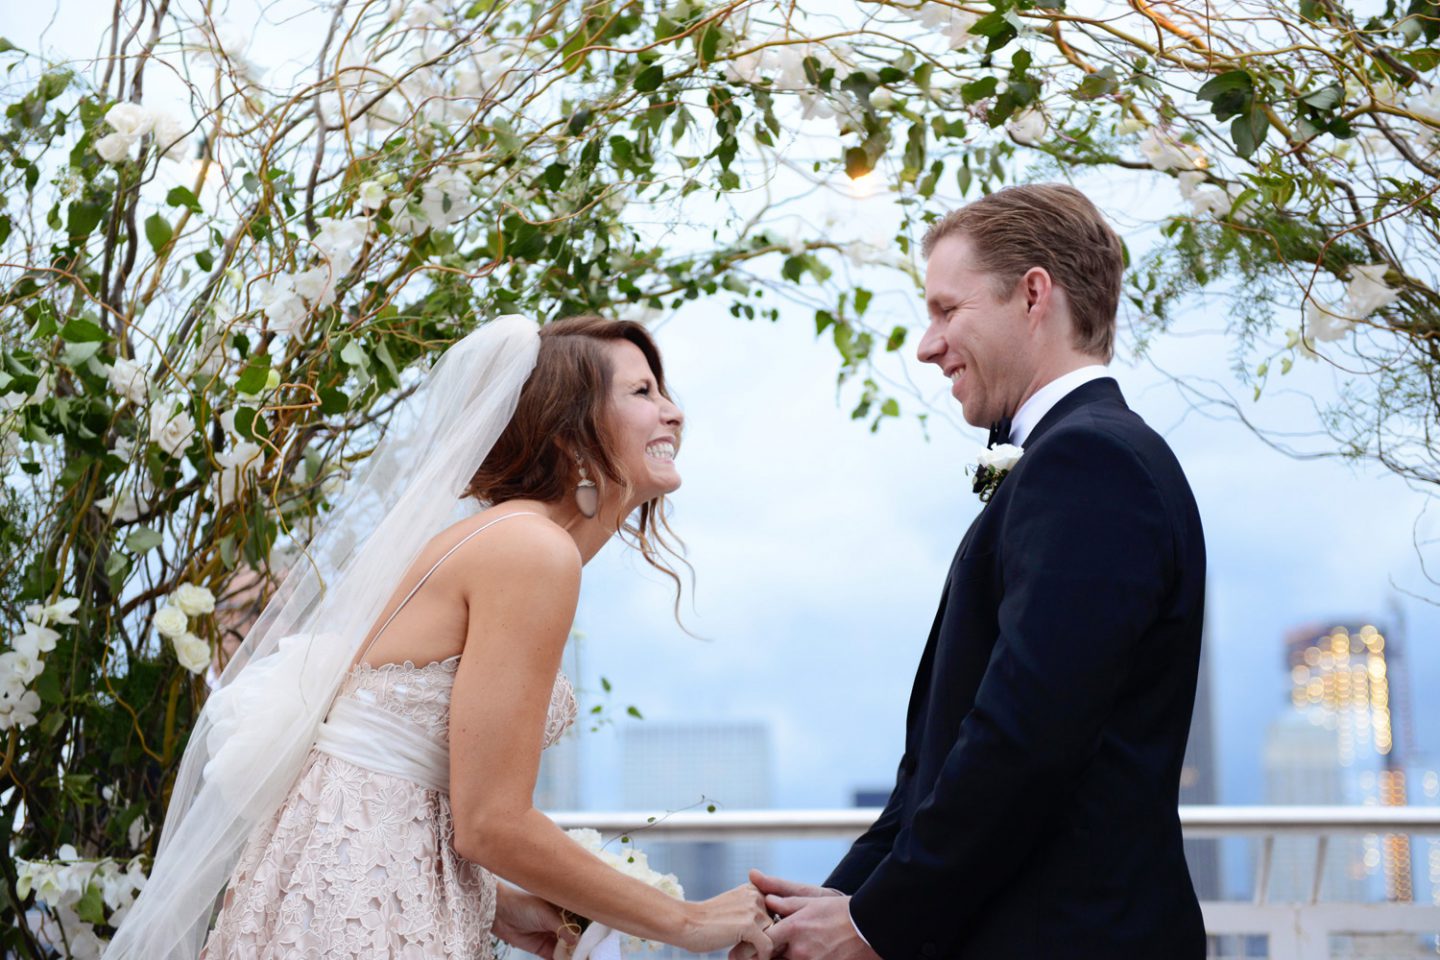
x=644, y=424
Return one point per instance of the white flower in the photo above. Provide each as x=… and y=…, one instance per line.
x=746, y=68
x=175, y=434
x=1212, y=200
x=130, y=504
x=243, y=457
x=1166, y=153
x=138, y=833
x=1427, y=107
x=1367, y=291
x=1001, y=457
x=15, y=663
x=193, y=599
x=280, y=303
x=372, y=195
x=169, y=135
x=61, y=611
x=130, y=120
x=882, y=99
x=1130, y=125
x=170, y=621
x=35, y=639
x=1324, y=323
x=192, y=652
x=316, y=285
x=1190, y=181
x=114, y=147
x=406, y=218
x=340, y=238
x=1028, y=126
x=955, y=24
x=18, y=706
x=446, y=197
x=127, y=378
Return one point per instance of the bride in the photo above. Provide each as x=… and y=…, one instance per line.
x=360, y=783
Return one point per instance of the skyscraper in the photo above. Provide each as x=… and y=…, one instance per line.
x=1340, y=744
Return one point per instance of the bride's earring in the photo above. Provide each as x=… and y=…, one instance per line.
x=587, y=495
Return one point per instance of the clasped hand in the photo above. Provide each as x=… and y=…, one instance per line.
x=814, y=923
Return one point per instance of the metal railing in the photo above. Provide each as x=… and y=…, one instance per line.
x=1310, y=929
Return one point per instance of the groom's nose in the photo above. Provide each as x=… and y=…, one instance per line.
x=932, y=345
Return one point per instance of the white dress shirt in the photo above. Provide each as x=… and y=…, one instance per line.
x=1032, y=411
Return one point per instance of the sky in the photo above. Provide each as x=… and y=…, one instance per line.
x=820, y=548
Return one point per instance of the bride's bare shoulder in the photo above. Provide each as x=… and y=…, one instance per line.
x=525, y=545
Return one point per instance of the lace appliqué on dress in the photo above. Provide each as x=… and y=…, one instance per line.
x=359, y=864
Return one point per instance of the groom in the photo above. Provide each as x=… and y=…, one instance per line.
x=1034, y=812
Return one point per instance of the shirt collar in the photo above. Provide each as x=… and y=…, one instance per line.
x=1032, y=411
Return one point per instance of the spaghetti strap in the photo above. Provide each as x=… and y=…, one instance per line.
x=436, y=566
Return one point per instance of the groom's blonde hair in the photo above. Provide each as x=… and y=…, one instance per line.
x=1053, y=226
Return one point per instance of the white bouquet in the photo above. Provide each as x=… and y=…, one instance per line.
x=597, y=941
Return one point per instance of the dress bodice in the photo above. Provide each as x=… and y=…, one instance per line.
x=421, y=695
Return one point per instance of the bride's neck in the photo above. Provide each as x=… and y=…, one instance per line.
x=590, y=533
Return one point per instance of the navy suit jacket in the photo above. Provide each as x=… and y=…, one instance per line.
x=1034, y=813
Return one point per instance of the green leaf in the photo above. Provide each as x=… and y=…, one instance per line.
x=6, y=46
x=91, y=907
x=205, y=260
x=1326, y=98
x=1096, y=85
x=896, y=339
x=1249, y=131
x=979, y=90
x=605, y=684
x=1230, y=94
x=182, y=197
x=634, y=712
x=333, y=401
x=649, y=79
x=249, y=425
x=158, y=231
x=141, y=539
x=82, y=217
x=252, y=378
x=862, y=300
x=80, y=330
x=890, y=408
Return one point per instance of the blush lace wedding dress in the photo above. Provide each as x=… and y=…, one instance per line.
x=358, y=862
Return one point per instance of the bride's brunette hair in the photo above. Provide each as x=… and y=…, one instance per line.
x=562, y=415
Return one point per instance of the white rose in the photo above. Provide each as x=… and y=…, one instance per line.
x=280, y=302
x=114, y=147
x=1028, y=126
x=316, y=286
x=169, y=135
x=406, y=218
x=128, y=379
x=192, y=652
x=193, y=599
x=1167, y=153
x=1210, y=201
x=175, y=434
x=130, y=120
x=1368, y=291
x=1002, y=456
x=372, y=195
x=170, y=621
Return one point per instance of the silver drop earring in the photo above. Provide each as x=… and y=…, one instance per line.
x=587, y=495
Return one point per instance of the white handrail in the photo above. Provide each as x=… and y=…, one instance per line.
x=1197, y=821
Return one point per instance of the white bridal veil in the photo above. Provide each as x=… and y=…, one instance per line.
x=254, y=732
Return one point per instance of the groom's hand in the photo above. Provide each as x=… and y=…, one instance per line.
x=776, y=887
x=816, y=928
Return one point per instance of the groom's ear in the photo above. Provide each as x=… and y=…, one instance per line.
x=1037, y=287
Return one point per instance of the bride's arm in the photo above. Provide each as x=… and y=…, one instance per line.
x=521, y=590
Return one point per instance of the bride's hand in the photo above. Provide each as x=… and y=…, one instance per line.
x=737, y=916
x=525, y=921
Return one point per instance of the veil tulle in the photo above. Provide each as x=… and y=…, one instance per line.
x=253, y=734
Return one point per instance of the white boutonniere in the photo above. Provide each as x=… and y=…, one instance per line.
x=994, y=465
